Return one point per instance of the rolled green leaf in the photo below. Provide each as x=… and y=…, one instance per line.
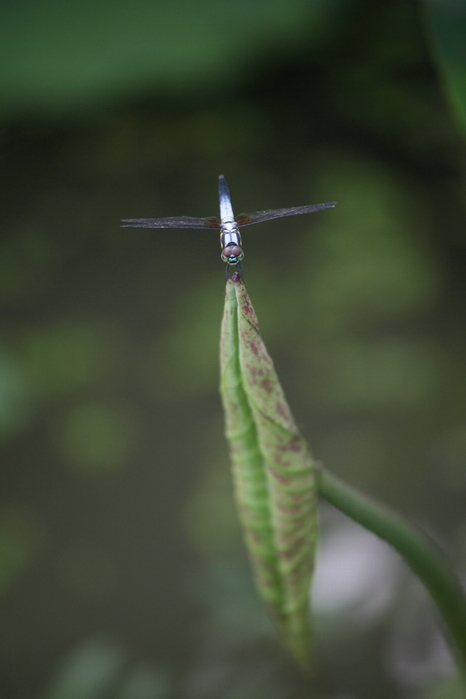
x=273, y=473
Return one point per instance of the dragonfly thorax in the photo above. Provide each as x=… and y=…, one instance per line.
x=229, y=226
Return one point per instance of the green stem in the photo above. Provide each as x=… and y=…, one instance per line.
x=425, y=558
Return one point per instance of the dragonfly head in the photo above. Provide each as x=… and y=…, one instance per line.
x=232, y=254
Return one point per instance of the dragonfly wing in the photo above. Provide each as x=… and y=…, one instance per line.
x=171, y=222
x=259, y=216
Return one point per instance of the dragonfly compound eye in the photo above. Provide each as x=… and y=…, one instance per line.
x=232, y=254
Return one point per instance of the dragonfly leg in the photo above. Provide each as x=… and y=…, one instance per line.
x=234, y=271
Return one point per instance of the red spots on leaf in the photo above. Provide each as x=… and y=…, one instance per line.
x=296, y=512
x=282, y=409
x=267, y=385
x=280, y=477
x=295, y=444
x=287, y=554
x=252, y=372
x=254, y=535
x=253, y=346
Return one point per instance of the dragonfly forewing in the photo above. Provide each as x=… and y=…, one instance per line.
x=269, y=214
x=172, y=222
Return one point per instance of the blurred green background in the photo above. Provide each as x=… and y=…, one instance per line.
x=122, y=570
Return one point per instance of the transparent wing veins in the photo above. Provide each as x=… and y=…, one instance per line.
x=269, y=214
x=171, y=222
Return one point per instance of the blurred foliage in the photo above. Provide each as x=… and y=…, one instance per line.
x=93, y=670
x=446, y=29
x=96, y=437
x=115, y=509
x=88, y=672
x=20, y=542
x=108, y=47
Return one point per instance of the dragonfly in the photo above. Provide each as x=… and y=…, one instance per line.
x=231, y=243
